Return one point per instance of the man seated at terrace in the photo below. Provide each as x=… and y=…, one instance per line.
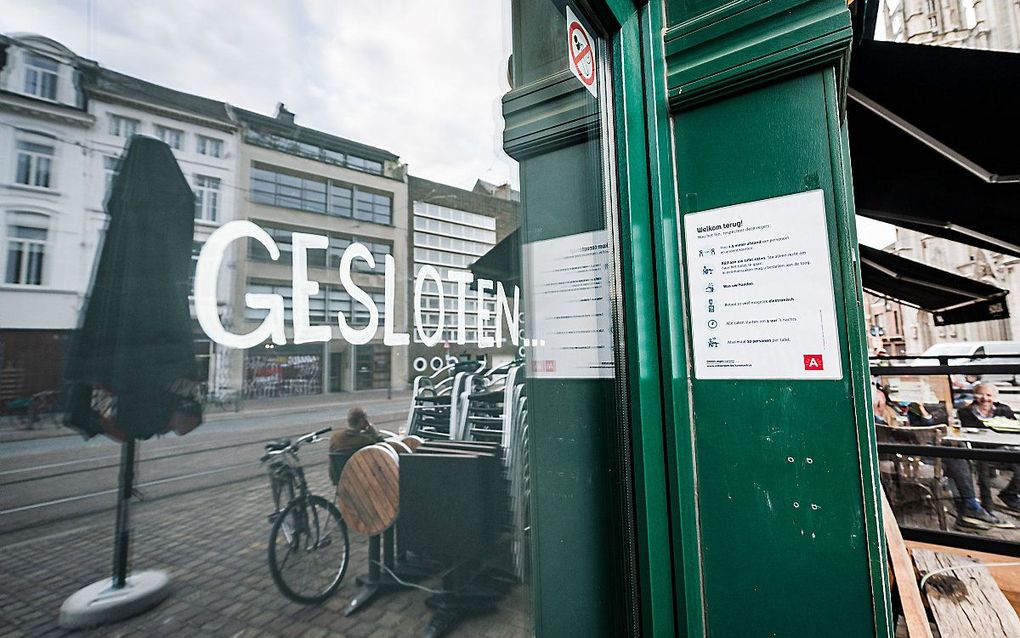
x=979, y=414
x=969, y=512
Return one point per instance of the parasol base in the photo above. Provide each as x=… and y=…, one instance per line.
x=101, y=604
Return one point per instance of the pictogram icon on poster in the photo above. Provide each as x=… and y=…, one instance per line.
x=580, y=52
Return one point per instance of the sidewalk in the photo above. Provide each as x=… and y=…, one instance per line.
x=212, y=543
x=341, y=401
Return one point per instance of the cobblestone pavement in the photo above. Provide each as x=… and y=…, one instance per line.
x=213, y=544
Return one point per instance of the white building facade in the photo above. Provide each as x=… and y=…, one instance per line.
x=64, y=123
x=204, y=140
x=45, y=166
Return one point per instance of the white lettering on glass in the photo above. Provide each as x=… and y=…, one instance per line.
x=364, y=335
x=419, y=324
x=484, y=340
x=206, y=271
x=272, y=327
x=462, y=278
x=389, y=337
x=513, y=317
x=303, y=289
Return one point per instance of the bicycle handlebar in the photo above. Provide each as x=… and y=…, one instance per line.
x=293, y=447
x=311, y=436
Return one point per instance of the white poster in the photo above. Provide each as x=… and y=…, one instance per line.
x=570, y=315
x=762, y=303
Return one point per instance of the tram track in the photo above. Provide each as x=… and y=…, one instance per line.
x=158, y=455
x=84, y=488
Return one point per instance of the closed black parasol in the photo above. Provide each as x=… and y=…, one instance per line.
x=131, y=370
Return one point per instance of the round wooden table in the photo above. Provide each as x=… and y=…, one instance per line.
x=368, y=495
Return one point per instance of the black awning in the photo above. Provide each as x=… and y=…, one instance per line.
x=934, y=135
x=951, y=298
x=502, y=262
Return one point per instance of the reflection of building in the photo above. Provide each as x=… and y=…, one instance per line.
x=452, y=229
x=973, y=24
x=918, y=330
x=202, y=136
x=65, y=121
x=301, y=180
x=45, y=166
x=884, y=320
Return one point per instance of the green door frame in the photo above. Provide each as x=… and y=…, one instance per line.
x=676, y=63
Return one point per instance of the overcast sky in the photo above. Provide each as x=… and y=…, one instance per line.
x=419, y=78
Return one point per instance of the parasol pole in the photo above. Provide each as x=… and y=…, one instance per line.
x=121, y=539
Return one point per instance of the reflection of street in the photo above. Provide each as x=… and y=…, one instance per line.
x=203, y=518
x=56, y=479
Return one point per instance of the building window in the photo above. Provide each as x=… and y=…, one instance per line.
x=373, y=207
x=111, y=165
x=316, y=195
x=207, y=197
x=34, y=165
x=322, y=307
x=196, y=250
x=379, y=250
x=174, y=138
x=26, y=248
x=329, y=258
x=208, y=146
x=41, y=76
x=314, y=151
x=341, y=200
x=123, y=126
x=258, y=252
x=287, y=190
x=934, y=23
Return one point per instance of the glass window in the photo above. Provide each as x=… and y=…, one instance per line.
x=26, y=249
x=341, y=199
x=207, y=197
x=281, y=236
x=34, y=161
x=41, y=75
x=208, y=146
x=123, y=126
x=111, y=165
x=373, y=207
x=277, y=188
x=173, y=137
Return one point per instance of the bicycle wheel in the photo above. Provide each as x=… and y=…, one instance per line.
x=308, y=550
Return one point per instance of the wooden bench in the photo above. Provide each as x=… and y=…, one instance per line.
x=965, y=603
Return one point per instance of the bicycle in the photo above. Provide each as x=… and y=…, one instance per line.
x=308, y=544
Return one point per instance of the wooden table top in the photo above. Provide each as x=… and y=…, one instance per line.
x=368, y=495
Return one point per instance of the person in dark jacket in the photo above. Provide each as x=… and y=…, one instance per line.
x=359, y=433
x=969, y=512
x=977, y=414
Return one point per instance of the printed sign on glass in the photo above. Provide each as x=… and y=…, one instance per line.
x=581, y=53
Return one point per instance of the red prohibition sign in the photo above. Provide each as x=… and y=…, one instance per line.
x=581, y=57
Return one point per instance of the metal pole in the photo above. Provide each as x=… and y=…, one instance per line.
x=123, y=532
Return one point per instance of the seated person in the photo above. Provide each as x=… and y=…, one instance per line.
x=969, y=512
x=918, y=415
x=882, y=409
x=359, y=433
x=982, y=409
